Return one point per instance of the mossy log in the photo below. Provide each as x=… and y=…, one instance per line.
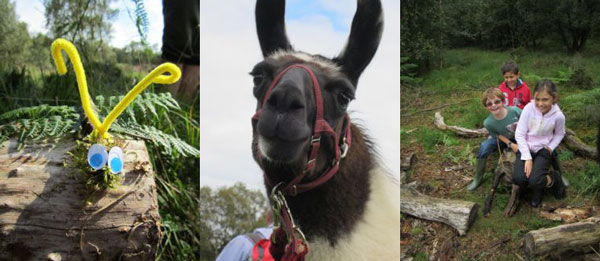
x=575, y=237
x=43, y=216
x=458, y=214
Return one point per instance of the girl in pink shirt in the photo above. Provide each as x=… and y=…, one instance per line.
x=540, y=129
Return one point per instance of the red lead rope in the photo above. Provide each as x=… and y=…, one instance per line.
x=284, y=241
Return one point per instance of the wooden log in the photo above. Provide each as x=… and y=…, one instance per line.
x=408, y=161
x=467, y=133
x=576, y=145
x=575, y=237
x=42, y=215
x=458, y=214
x=570, y=140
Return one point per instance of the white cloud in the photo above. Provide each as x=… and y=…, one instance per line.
x=32, y=13
x=229, y=49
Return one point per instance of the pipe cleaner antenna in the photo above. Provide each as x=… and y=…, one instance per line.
x=101, y=129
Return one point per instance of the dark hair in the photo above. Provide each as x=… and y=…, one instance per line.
x=548, y=86
x=509, y=66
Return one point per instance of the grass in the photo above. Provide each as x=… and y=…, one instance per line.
x=455, y=89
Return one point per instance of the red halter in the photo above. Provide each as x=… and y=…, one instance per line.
x=320, y=126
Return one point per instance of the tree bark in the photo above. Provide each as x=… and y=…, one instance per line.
x=42, y=214
x=458, y=214
x=575, y=237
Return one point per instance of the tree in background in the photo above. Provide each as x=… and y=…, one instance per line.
x=13, y=37
x=227, y=212
x=420, y=28
x=84, y=22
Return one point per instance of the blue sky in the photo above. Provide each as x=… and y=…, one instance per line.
x=123, y=27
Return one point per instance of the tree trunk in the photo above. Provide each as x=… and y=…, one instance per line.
x=458, y=214
x=42, y=216
x=576, y=237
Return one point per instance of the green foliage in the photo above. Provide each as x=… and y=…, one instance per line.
x=13, y=37
x=227, y=212
x=39, y=122
x=141, y=20
x=421, y=28
x=589, y=179
x=431, y=138
x=565, y=155
x=461, y=155
x=582, y=108
x=407, y=76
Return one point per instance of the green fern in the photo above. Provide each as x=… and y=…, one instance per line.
x=167, y=143
x=148, y=117
x=38, y=122
x=141, y=20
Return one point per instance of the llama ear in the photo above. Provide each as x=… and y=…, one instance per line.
x=270, y=26
x=364, y=38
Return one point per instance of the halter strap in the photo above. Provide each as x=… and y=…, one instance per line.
x=321, y=126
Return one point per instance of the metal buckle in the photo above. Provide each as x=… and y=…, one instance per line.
x=315, y=140
x=344, y=148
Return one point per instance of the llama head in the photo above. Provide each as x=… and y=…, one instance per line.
x=289, y=86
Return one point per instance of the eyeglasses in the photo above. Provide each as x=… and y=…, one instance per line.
x=495, y=102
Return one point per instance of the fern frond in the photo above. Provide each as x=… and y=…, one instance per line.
x=167, y=143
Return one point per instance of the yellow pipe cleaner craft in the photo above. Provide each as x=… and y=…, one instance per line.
x=101, y=128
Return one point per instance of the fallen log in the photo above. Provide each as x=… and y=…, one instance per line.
x=575, y=237
x=42, y=215
x=458, y=214
x=467, y=133
x=570, y=140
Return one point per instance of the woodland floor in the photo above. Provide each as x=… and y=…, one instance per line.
x=444, y=171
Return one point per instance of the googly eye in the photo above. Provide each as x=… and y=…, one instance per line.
x=97, y=156
x=115, y=160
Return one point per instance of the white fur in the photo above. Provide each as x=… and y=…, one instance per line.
x=324, y=64
x=377, y=235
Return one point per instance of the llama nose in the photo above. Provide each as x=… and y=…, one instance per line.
x=286, y=98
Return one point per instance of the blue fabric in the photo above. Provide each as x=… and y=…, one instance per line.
x=487, y=147
x=240, y=247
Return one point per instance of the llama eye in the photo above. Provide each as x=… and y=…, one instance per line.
x=115, y=160
x=258, y=78
x=97, y=156
x=344, y=99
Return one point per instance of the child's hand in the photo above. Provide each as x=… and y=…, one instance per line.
x=528, y=165
x=514, y=147
x=549, y=149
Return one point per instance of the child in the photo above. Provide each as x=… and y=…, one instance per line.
x=515, y=90
x=539, y=131
x=498, y=125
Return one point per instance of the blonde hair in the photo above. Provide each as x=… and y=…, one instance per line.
x=491, y=92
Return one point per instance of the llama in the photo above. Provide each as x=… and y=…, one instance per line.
x=325, y=181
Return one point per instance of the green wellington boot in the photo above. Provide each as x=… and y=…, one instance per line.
x=478, y=177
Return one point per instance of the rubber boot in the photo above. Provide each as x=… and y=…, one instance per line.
x=478, y=177
x=557, y=187
x=536, y=197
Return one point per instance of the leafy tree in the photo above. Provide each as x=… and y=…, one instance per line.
x=420, y=27
x=575, y=21
x=84, y=22
x=14, y=38
x=227, y=212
